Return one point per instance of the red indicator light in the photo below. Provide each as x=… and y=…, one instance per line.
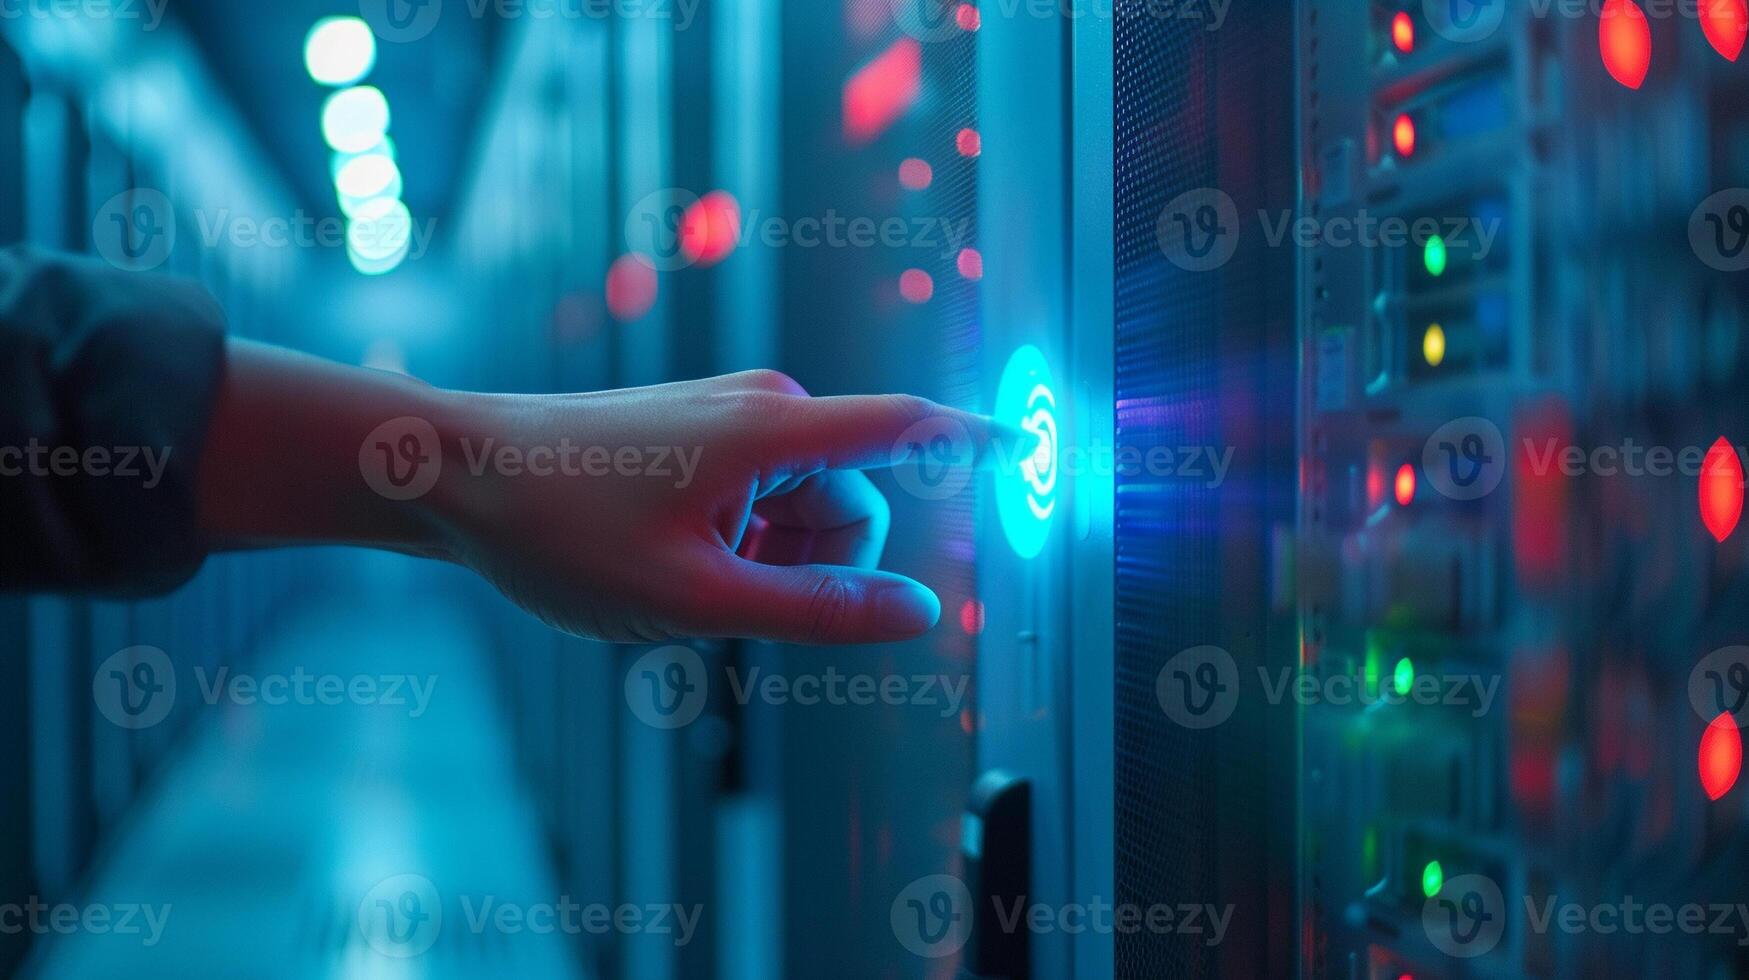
x=972, y=617
x=1726, y=23
x=915, y=174
x=968, y=143
x=631, y=287
x=1721, y=489
x=878, y=93
x=1626, y=41
x=1403, y=135
x=967, y=17
x=971, y=263
x=1405, y=485
x=1403, y=32
x=710, y=228
x=916, y=286
x=1721, y=756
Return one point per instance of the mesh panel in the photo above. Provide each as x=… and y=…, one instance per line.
x=1200, y=361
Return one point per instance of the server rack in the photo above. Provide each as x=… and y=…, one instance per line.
x=78, y=775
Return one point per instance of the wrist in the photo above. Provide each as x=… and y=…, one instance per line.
x=304, y=451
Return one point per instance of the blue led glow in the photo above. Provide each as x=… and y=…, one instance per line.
x=1026, y=491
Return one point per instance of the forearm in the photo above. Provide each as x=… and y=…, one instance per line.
x=282, y=463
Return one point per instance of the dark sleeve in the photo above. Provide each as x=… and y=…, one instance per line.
x=107, y=380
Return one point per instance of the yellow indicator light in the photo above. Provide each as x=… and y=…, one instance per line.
x=1433, y=345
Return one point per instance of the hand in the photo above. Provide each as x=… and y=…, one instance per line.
x=733, y=506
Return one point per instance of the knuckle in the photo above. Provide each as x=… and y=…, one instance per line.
x=766, y=379
x=828, y=608
x=910, y=409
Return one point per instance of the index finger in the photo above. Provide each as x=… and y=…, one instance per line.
x=874, y=431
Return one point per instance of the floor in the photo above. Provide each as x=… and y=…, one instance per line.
x=382, y=836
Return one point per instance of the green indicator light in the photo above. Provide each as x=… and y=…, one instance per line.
x=1026, y=492
x=1435, y=256
x=1371, y=670
x=1432, y=879
x=1404, y=676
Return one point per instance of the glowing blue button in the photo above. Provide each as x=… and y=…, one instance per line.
x=1026, y=490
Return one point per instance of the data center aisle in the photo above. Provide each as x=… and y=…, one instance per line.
x=336, y=840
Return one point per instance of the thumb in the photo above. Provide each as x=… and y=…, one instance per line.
x=815, y=604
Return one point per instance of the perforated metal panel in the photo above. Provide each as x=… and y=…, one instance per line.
x=1203, y=359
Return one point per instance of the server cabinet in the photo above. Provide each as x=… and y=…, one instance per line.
x=1543, y=628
